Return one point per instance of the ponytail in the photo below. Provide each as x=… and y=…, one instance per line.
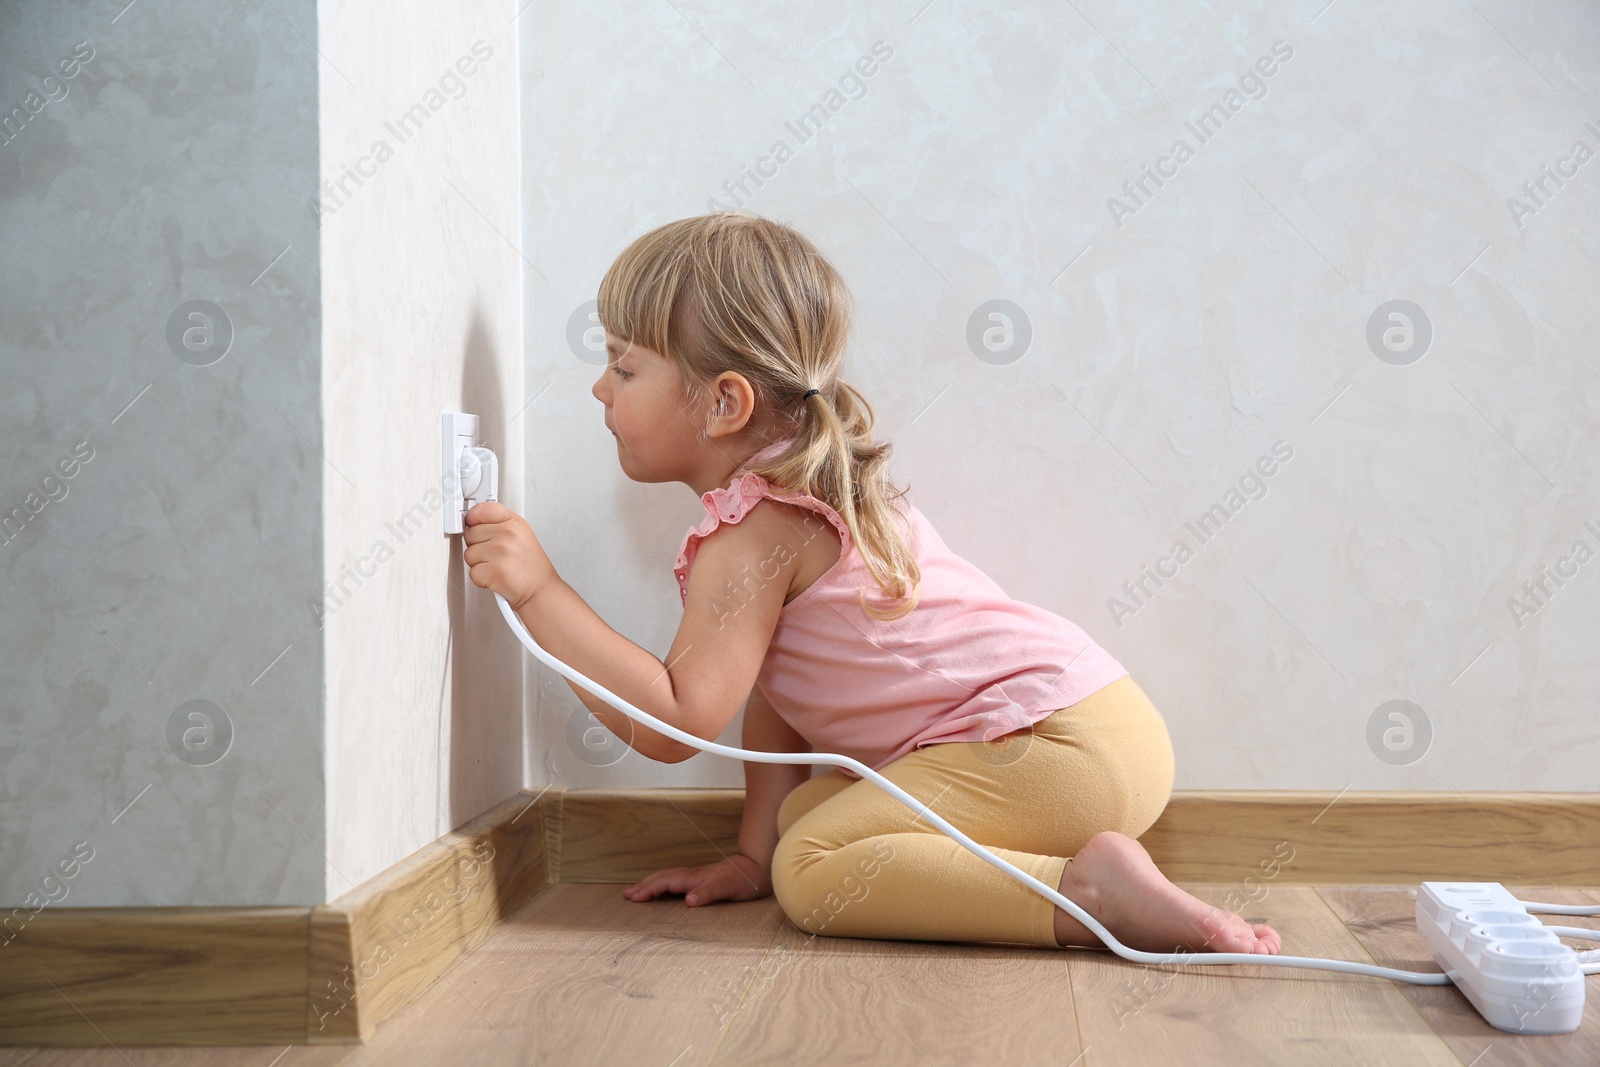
x=836, y=457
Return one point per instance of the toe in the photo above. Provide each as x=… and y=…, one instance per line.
x=1226, y=932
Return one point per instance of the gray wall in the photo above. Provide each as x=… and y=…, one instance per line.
x=176, y=564
x=1178, y=336
x=205, y=551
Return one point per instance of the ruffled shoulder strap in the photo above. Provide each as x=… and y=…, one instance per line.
x=733, y=504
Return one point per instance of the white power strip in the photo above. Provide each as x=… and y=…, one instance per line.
x=1517, y=974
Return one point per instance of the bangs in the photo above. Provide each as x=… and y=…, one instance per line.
x=647, y=282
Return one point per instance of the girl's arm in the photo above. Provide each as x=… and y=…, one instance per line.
x=767, y=784
x=747, y=874
x=741, y=575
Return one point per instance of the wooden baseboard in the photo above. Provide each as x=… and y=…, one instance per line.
x=273, y=976
x=330, y=974
x=156, y=976
x=1203, y=837
x=378, y=946
x=1381, y=838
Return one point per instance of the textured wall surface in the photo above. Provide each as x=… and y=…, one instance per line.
x=160, y=674
x=1199, y=219
x=420, y=216
x=250, y=258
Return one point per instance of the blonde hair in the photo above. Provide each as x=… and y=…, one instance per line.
x=735, y=292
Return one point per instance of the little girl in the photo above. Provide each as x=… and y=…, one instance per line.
x=819, y=600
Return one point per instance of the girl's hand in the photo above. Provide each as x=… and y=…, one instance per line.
x=504, y=555
x=736, y=878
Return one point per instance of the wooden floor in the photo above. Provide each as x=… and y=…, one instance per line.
x=582, y=976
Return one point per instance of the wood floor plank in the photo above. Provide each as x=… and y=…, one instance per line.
x=581, y=975
x=1239, y=1015
x=850, y=1000
x=1384, y=919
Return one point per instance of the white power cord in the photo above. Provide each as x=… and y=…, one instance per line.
x=1048, y=892
x=1589, y=962
x=1536, y=908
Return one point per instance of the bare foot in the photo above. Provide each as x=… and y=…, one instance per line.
x=1114, y=879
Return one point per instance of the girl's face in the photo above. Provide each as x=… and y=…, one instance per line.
x=640, y=388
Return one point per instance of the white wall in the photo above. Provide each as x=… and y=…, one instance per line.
x=1174, y=342
x=422, y=314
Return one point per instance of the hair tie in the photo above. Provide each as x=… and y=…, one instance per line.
x=810, y=392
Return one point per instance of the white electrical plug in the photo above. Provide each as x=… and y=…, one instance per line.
x=469, y=473
x=480, y=476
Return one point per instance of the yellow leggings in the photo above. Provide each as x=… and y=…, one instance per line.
x=852, y=861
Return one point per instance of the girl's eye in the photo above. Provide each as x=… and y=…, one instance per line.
x=624, y=375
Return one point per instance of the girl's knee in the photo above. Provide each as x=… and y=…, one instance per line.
x=808, y=910
x=1150, y=774
x=1147, y=799
x=814, y=885
x=786, y=877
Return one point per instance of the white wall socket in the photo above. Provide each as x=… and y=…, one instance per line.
x=457, y=431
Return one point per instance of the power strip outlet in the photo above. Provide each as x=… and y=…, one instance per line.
x=1519, y=975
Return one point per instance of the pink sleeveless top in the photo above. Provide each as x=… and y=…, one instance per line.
x=969, y=663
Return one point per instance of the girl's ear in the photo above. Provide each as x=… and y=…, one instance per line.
x=733, y=405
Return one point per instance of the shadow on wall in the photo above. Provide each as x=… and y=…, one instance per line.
x=485, y=706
